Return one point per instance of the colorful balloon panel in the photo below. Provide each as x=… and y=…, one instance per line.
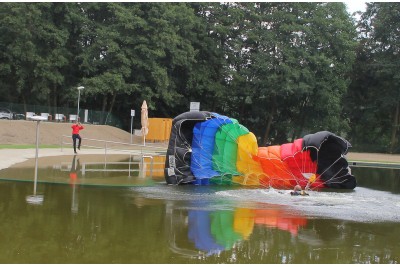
x=226, y=147
x=203, y=146
x=278, y=174
x=250, y=169
x=207, y=148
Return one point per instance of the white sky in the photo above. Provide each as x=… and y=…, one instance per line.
x=353, y=6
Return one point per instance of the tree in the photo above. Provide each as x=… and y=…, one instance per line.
x=137, y=48
x=374, y=92
x=296, y=58
x=35, y=58
x=279, y=68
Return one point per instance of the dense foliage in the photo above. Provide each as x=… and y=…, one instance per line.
x=373, y=104
x=283, y=69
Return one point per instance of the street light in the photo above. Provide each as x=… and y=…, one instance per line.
x=79, y=96
x=36, y=199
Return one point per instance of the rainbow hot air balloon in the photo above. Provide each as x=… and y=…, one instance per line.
x=316, y=160
x=209, y=148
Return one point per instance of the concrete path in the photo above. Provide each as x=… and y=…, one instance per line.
x=373, y=157
x=9, y=157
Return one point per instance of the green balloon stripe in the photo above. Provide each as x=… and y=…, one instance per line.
x=225, y=150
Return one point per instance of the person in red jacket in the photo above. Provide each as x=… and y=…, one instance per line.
x=76, y=127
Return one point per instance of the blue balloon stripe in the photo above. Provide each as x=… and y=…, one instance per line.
x=203, y=147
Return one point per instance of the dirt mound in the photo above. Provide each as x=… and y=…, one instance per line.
x=24, y=132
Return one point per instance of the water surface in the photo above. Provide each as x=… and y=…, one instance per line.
x=109, y=217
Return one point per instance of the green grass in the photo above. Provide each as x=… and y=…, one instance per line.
x=27, y=146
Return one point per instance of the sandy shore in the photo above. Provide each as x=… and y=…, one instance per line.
x=9, y=157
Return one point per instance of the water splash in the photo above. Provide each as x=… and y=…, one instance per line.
x=361, y=204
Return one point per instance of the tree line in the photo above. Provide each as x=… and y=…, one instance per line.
x=283, y=69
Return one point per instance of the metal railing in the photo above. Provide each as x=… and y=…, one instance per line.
x=139, y=150
x=380, y=165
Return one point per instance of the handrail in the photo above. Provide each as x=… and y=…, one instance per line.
x=144, y=151
x=383, y=165
x=139, y=149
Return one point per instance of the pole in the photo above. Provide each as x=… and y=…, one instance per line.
x=79, y=98
x=77, y=111
x=36, y=157
x=132, y=115
x=131, y=127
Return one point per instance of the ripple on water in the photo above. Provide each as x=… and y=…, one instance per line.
x=361, y=204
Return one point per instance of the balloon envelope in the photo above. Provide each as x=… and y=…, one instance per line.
x=209, y=148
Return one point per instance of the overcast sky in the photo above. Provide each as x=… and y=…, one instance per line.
x=353, y=6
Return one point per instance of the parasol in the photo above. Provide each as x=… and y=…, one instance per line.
x=144, y=119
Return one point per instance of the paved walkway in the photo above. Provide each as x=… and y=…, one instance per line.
x=9, y=157
x=373, y=157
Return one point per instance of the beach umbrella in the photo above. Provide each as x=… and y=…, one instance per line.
x=144, y=119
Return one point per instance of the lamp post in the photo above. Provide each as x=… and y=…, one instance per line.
x=36, y=199
x=79, y=97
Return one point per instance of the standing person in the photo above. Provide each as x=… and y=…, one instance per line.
x=76, y=127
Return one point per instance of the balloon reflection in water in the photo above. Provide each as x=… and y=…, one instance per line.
x=212, y=232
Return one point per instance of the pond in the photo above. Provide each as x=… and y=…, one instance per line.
x=97, y=212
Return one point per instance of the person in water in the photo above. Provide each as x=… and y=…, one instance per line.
x=297, y=191
x=76, y=127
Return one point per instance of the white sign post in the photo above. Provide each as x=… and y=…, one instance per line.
x=86, y=115
x=132, y=115
x=194, y=106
